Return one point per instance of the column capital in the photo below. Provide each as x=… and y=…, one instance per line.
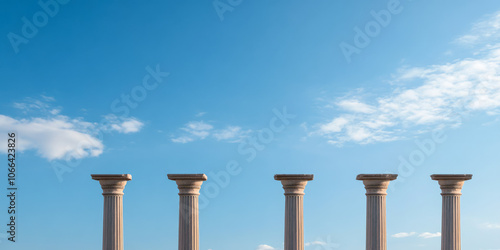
x=188, y=184
x=376, y=184
x=112, y=184
x=451, y=184
x=294, y=184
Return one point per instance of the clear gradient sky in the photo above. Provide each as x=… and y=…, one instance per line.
x=331, y=88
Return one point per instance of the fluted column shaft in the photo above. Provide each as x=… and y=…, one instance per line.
x=113, y=223
x=451, y=186
x=188, y=222
x=376, y=235
x=189, y=186
x=376, y=191
x=112, y=186
x=294, y=186
x=450, y=224
x=294, y=222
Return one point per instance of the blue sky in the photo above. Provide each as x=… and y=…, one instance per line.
x=332, y=88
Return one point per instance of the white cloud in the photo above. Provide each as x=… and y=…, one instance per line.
x=198, y=126
x=355, y=106
x=315, y=243
x=196, y=130
x=54, y=136
x=423, y=98
x=199, y=130
x=491, y=225
x=228, y=133
x=200, y=114
x=336, y=125
x=231, y=134
x=55, y=111
x=182, y=139
x=48, y=98
x=265, y=247
x=427, y=235
x=403, y=235
x=322, y=243
x=122, y=125
x=485, y=30
x=38, y=105
x=129, y=126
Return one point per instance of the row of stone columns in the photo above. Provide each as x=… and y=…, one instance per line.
x=294, y=184
x=376, y=191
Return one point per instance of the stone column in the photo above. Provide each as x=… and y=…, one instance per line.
x=112, y=186
x=376, y=191
x=294, y=185
x=451, y=186
x=189, y=189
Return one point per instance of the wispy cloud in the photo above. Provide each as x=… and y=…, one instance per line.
x=403, y=235
x=427, y=235
x=54, y=136
x=228, y=133
x=356, y=106
x=423, y=98
x=199, y=130
x=322, y=243
x=182, y=139
x=123, y=125
x=265, y=247
x=483, y=31
x=491, y=225
x=231, y=134
x=315, y=243
x=195, y=130
x=43, y=105
x=200, y=114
